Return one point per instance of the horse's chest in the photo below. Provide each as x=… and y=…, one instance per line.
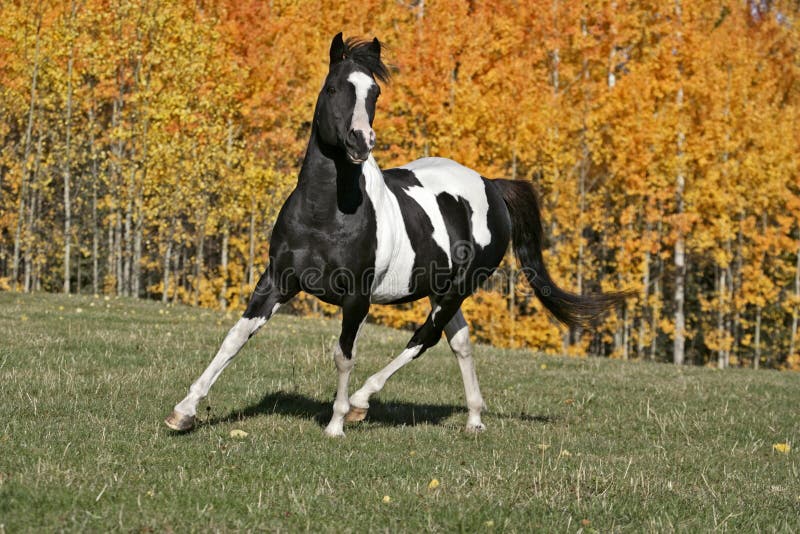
x=394, y=255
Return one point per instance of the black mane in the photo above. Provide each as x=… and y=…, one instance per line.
x=361, y=52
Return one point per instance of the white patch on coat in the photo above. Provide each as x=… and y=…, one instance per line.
x=360, y=122
x=441, y=175
x=427, y=201
x=394, y=256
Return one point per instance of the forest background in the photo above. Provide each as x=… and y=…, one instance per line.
x=148, y=144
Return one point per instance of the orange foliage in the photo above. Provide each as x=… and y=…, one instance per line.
x=191, y=119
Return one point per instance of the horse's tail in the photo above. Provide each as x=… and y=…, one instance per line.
x=526, y=232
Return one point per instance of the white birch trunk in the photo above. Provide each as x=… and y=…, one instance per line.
x=67, y=165
x=26, y=151
x=678, y=350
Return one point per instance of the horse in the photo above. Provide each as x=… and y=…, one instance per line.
x=352, y=234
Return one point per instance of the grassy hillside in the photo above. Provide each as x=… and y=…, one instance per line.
x=571, y=444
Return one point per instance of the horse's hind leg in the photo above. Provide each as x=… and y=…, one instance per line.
x=264, y=302
x=425, y=337
x=457, y=332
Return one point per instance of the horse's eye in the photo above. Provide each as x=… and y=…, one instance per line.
x=331, y=89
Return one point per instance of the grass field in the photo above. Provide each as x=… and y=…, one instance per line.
x=572, y=444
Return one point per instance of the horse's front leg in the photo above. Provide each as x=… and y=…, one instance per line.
x=354, y=312
x=264, y=302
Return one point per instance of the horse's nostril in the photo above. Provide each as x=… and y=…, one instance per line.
x=361, y=138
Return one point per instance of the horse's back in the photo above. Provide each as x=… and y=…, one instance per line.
x=453, y=212
x=442, y=177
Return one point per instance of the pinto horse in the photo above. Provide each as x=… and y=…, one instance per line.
x=351, y=234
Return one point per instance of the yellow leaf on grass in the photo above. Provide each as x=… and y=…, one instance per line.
x=433, y=484
x=782, y=447
x=387, y=499
x=236, y=433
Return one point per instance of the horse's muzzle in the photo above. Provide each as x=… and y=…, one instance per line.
x=359, y=144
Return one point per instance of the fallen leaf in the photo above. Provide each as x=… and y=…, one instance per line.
x=782, y=447
x=236, y=433
x=387, y=499
x=433, y=484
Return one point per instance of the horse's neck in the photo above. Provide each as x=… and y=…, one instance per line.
x=328, y=180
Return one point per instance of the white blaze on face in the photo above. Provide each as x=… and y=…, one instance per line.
x=360, y=122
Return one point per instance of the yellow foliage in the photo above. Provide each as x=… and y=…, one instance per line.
x=188, y=126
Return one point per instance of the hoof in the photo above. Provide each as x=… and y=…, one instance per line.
x=355, y=414
x=337, y=433
x=475, y=428
x=179, y=422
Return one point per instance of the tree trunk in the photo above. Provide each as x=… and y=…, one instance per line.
x=757, y=355
x=512, y=285
x=68, y=163
x=118, y=253
x=251, y=276
x=95, y=226
x=78, y=263
x=678, y=350
x=26, y=154
x=722, y=352
x=128, y=237
x=223, y=292
x=110, y=269
x=167, y=258
x=33, y=205
x=142, y=114
x=199, y=255
x=793, y=340
x=115, y=266
x=645, y=300
x=626, y=329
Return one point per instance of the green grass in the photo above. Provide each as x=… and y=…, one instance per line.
x=571, y=445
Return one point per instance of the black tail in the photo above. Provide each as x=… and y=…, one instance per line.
x=526, y=222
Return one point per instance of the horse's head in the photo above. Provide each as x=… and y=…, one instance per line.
x=346, y=104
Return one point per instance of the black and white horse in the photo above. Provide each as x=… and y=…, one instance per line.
x=352, y=234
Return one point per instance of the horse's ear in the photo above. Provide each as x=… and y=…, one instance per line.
x=337, y=49
x=375, y=47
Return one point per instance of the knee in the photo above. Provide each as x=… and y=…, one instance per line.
x=343, y=362
x=460, y=343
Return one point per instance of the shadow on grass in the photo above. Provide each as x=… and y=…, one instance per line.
x=381, y=413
